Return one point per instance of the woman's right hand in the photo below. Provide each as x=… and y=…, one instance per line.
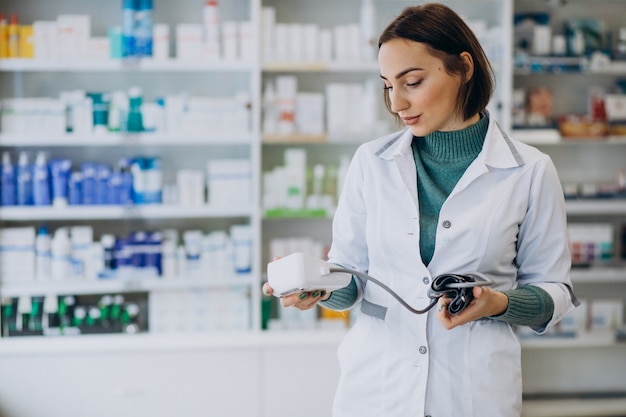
x=301, y=300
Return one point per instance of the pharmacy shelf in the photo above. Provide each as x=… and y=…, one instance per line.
x=598, y=275
x=596, y=339
x=552, y=137
x=121, y=285
x=606, y=207
x=367, y=67
x=128, y=139
x=32, y=213
x=574, y=407
x=151, y=342
x=143, y=65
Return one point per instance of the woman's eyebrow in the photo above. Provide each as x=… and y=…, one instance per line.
x=403, y=73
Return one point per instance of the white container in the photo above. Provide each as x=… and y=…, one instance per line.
x=241, y=239
x=161, y=42
x=61, y=255
x=81, y=238
x=229, y=182
x=43, y=255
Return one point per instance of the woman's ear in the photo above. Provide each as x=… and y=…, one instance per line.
x=468, y=61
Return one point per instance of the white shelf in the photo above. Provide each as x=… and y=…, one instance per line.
x=574, y=407
x=596, y=207
x=32, y=213
x=359, y=66
x=121, y=285
x=588, y=340
x=144, y=65
x=598, y=275
x=128, y=139
x=24, y=346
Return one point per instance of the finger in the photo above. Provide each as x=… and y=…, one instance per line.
x=308, y=299
x=267, y=290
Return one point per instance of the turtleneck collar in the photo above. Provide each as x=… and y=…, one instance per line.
x=455, y=145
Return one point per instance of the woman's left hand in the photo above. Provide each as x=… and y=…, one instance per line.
x=486, y=302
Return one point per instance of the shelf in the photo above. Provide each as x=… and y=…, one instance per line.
x=553, y=137
x=599, y=275
x=596, y=207
x=121, y=285
x=127, y=139
x=144, y=65
x=325, y=139
x=574, y=407
x=31, y=213
x=587, y=340
x=67, y=345
x=367, y=67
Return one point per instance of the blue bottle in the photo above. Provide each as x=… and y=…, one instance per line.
x=88, y=169
x=76, y=188
x=129, y=8
x=24, y=178
x=7, y=181
x=143, y=28
x=41, y=181
x=126, y=187
x=103, y=175
x=60, y=170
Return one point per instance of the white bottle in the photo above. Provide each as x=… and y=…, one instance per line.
x=367, y=27
x=61, y=255
x=270, y=116
x=211, y=26
x=43, y=255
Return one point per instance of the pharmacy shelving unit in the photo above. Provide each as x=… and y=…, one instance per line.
x=35, y=78
x=134, y=374
x=571, y=376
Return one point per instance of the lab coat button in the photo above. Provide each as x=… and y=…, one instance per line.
x=425, y=280
x=446, y=224
x=423, y=350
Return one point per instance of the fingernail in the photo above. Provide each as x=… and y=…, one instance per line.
x=441, y=306
x=303, y=295
x=315, y=294
x=323, y=293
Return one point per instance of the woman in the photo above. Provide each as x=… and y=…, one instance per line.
x=451, y=193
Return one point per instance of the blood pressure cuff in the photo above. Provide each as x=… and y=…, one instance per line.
x=457, y=287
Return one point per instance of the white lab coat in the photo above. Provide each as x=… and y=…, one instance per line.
x=505, y=218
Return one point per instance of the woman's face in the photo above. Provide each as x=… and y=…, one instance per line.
x=420, y=90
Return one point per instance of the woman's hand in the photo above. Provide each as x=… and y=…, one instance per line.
x=486, y=302
x=301, y=300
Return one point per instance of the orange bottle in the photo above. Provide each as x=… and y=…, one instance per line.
x=4, y=37
x=13, y=38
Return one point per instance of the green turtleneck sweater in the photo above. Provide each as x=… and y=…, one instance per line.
x=441, y=158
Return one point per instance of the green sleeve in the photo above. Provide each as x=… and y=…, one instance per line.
x=528, y=306
x=343, y=298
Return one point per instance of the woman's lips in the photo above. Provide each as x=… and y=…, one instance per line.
x=408, y=121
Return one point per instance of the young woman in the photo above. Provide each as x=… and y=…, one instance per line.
x=450, y=193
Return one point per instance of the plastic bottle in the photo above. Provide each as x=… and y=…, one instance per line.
x=41, y=181
x=13, y=37
x=4, y=34
x=43, y=255
x=134, y=123
x=211, y=24
x=7, y=186
x=61, y=255
x=367, y=27
x=108, y=250
x=24, y=180
x=144, y=28
x=129, y=9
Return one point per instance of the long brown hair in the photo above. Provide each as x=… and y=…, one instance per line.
x=446, y=35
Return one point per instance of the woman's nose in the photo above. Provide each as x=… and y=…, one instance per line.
x=397, y=101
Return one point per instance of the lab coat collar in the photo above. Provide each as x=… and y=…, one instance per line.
x=499, y=151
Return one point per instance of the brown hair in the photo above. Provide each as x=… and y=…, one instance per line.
x=446, y=35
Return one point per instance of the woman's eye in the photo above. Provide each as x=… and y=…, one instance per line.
x=415, y=84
